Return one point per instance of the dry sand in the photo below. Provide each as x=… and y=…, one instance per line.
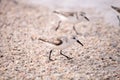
x=24, y=57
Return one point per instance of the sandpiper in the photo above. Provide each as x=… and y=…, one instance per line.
x=72, y=17
x=62, y=43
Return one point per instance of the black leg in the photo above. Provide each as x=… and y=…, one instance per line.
x=65, y=55
x=75, y=30
x=118, y=19
x=58, y=25
x=50, y=55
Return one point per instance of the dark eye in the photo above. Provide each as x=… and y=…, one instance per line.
x=74, y=38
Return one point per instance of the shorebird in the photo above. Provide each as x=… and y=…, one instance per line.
x=61, y=43
x=118, y=10
x=72, y=17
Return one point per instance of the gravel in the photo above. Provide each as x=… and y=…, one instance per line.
x=24, y=57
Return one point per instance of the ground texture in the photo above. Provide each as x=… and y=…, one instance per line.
x=24, y=57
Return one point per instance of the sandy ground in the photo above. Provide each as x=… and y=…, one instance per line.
x=24, y=57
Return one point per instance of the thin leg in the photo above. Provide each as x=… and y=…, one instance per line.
x=65, y=55
x=50, y=55
x=58, y=25
x=75, y=30
x=118, y=19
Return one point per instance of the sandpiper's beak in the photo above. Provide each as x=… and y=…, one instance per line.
x=86, y=18
x=79, y=42
x=116, y=8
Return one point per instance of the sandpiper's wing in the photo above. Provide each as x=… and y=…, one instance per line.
x=56, y=41
x=66, y=14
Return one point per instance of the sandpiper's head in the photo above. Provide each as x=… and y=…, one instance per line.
x=73, y=37
x=82, y=13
